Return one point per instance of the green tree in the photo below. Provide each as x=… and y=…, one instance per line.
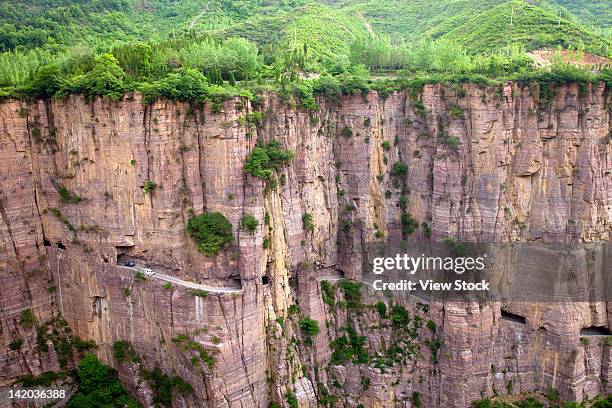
x=47, y=81
x=249, y=223
x=184, y=84
x=309, y=326
x=212, y=231
x=264, y=159
x=99, y=386
x=105, y=79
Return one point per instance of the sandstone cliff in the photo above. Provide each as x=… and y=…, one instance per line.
x=522, y=168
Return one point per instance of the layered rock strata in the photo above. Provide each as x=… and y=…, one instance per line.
x=494, y=165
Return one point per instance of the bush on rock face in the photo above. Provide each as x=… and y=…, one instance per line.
x=264, y=159
x=212, y=231
x=309, y=326
x=249, y=223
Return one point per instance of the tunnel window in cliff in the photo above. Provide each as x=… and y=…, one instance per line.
x=123, y=255
x=595, y=331
x=512, y=317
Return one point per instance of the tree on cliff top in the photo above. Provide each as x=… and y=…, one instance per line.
x=184, y=84
x=212, y=231
x=105, y=79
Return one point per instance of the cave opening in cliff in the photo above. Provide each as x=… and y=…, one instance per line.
x=595, y=331
x=512, y=317
x=265, y=280
x=123, y=255
x=61, y=246
x=46, y=242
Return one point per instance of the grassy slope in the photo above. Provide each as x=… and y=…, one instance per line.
x=597, y=13
x=409, y=19
x=326, y=31
x=480, y=25
x=30, y=23
x=532, y=25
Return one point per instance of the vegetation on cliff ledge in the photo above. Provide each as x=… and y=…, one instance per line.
x=265, y=158
x=99, y=386
x=249, y=223
x=211, y=231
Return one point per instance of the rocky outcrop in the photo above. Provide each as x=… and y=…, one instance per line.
x=489, y=165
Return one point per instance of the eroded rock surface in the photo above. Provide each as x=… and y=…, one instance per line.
x=524, y=170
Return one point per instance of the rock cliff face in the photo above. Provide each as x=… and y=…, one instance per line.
x=491, y=165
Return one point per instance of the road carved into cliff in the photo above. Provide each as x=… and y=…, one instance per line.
x=180, y=282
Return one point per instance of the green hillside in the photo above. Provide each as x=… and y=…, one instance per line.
x=178, y=48
x=484, y=25
x=523, y=23
x=325, y=30
x=38, y=23
x=597, y=13
x=328, y=27
x=409, y=19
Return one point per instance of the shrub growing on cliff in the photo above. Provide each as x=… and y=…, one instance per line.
x=455, y=247
x=124, y=351
x=399, y=316
x=530, y=402
x=291, y=399
x=451, y=141
x=349, y=348
x=603, y=402
x=199, y=293
x=399, y=169
x=483, y=403
x=327, y=292
x=27, y=319
x=416, y=399
x=346, y=132
x=264, y=159
x=409, y=224
x=68, y=197
x=45, y=379
x=15, y=344
x=308, y=223
x=249, y=223
x=99, y=386
x=253, y=119
x=149, y=186
x=456, y=112
x=352, y=292
x=309, y=326
x=211, y=231
x=162, y=386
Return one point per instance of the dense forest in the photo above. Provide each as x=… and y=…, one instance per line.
x=214, y=49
